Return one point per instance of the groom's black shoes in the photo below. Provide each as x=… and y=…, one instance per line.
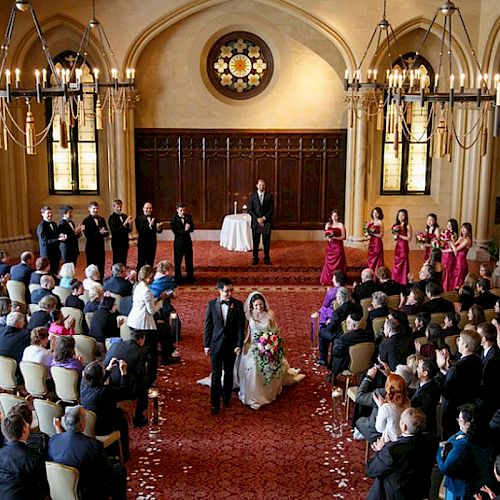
x=255, y=262
x=226, y=403
x=214, y=410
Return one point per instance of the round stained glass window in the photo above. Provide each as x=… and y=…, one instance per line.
x=240, y=65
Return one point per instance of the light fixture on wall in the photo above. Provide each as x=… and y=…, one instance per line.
x=407, y=86
x=112, y=93
x=13, y=89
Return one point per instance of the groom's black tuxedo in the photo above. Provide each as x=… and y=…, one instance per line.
x=222, y=339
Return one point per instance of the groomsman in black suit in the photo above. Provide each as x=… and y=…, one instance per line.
x=182, y=226
x=223, y=341
x=261, y=208
x=120, y=226
x=66, y=226
x=147, y=227
x=95, y=231
x=49, y=239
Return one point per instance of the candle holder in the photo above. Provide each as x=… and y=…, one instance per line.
x=235, y=207
x=175, y=327
x=153, y=412
x=337, y=412
x=313, y=337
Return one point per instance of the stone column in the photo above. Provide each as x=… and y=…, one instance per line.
x=457, y=166
x=349, y=177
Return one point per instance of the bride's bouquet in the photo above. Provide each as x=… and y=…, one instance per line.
x=269, y=352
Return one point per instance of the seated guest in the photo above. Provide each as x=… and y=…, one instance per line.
x=101, y=398
x=367, y=286
x=65, y=356
x=486, y=273
x=105, y=322
x=402, y=469
x=435, y=341
x=14, y=337
x=58, y=324
x=395, y=348
x=37, y=441
x=463, y=458
x=465, y=298
x=96, y=293
x=4, y=263
x=22, y=272
x=490, y=395
x=333, y=328
x=133, y=353
x=475, y=315
x=42, y=268
x=42, y=317
x=436, y=304
x=98, y=479
x=22, y=469
x=38, y=351
x=484, y=297
x=426, y=397
x=422, y=321
x=434, y=261
x=459, y=383
x=47, y=284
x=120, y=282
x=426, y=275
x=387, y=284
x=67, y=275
x=325, y=312
x=5, y=307
x=450, y=324
x=413, y=304
x=354, y=335
x=378, y=308
x=74, y=300
x=92, y=276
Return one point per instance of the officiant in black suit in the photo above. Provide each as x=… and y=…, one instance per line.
x=96, y=231
x=69, y=246
x=49, y=239
x=147, y=227
x=261, y=208
x=182, y=226
x=223, y=341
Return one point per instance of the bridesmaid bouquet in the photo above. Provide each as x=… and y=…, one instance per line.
x=424, y=238
x=438, y=243
x=395, y=230
x=331, y=232
x=447, y=235
x=369, y=228
x=269, y=352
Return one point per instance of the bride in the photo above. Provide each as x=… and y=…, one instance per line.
x=261, y=381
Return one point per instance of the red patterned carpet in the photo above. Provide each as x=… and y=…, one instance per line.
x=283, y=450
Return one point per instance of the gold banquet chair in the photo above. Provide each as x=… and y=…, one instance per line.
x=106, y=440
x=66, y=382
x=77, y=314
x=46, y=411
x=34, y=375
x=8, y=368
x=63, y=481
x=62, y=293
x=85, y=346
x=17, y=291
x=8, y=401
x=360, y=359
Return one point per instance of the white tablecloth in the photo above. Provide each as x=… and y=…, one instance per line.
x=236, y=233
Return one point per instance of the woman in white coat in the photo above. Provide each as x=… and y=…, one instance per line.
x=141, y=317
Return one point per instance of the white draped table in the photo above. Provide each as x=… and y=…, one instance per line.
x=236, y=233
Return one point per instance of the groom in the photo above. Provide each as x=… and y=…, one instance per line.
x=224, y=332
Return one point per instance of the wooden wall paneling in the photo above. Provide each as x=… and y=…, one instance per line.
x=192, y=175
x=313, y=171
x=287, y=203
x=216, y=178
x=265, y=162
x=335, y=175
x=240, y=170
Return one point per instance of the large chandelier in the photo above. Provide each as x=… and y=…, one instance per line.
x=405, y=85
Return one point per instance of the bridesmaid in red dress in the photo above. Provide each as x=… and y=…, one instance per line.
x=401, y=266
x=460, y=249
x=448, y=256
x=432, y=228
x=376, y=246
x=334, y=255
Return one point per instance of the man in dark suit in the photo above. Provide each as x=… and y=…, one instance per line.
x=223, y=340
x=22, y=272
x=47, y=285
x=395, y=347
x=490, y=395
x=182, y=226
x=22, y=469
x=402, y=468
x=427, y=395
x=459, y=383
x=98, y=479
x=118, y=282
x=484, y=297
x=95, y=231
x=66, y=226
x=14, y=337
x=133, y=352
x=367, y=286
x=436, y=304
x=120, y=226
x=426, y=275
x=354, y=335
x=147, y=227
x=49, y=239
x=387, y=284
x=261, y=208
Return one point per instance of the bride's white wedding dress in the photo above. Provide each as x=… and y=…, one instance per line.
x=253, y=391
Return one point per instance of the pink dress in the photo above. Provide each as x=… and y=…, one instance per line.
x=334, y=259
x=375, y=251
x=461, y=268
x=401, y=266
x=448, y=263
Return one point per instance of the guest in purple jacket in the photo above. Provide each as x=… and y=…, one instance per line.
x=326, y=310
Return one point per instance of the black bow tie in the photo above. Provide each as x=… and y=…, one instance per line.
x=227, y=302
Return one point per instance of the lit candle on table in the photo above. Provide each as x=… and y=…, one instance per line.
x=235, y=207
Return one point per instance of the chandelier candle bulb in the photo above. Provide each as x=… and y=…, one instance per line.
x=127, y=74
x=436, y=82
x=38, y=86
x=375, y=73
x=452, y=82
x=17, y=72
x=498, y=94
x=114, y=74
x=462, y=82
x=7, y=76
x=132, y=74
x=369, y=75
x=44, y=77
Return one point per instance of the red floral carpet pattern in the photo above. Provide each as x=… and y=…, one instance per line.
x=283, y=450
